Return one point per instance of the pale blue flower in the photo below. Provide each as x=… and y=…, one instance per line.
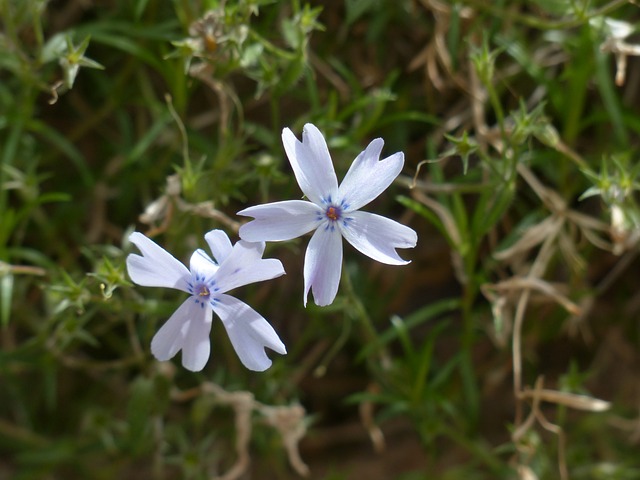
x=206, y=281
x=332, y=211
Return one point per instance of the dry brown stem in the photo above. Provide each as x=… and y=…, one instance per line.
x=366, y=410
x=159, y=213
x=289, y=421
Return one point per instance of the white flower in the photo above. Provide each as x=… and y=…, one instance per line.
x=333, y=211
x=189, y=327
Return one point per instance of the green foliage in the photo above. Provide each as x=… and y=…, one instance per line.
x=485, y=355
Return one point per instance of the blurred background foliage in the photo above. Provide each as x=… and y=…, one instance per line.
x=508, y=348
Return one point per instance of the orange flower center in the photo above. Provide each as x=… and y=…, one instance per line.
x=333, y=213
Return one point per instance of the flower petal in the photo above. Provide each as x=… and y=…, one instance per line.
x=323, y=265
x=280, y=220
x=219, y=244
x=367, y=177
x=197, y=344
x=202, y=265
x=311, y=163
x=245, y=265
x=187, y=329
x=378, y=237
x=156, y=267
x=249, y=332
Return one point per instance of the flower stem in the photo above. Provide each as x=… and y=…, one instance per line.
x=369, y=331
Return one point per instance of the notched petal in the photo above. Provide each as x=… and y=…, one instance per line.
x=378, y=237
x=248, y=332
x=311, y=163
x=280, y=220
x=368, y=177
x=323, y=266
x=155, y=267
x=188, y=330
x=219, y=244
x=245, y=265
x=202, y=264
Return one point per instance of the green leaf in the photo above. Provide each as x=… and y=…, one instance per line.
x=358, y=8
x=139, y=414
x=417, y=318
x=149, y=138
x=61, y=143
x=6, y=292
x=610, y=98
x=140, y=6
x=427, y=213
x=490, y=208
x=124, y=43
x=464, y=146
x=423, y=363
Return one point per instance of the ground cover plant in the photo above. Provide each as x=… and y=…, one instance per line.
x=494, y=144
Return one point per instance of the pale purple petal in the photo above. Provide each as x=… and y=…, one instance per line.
x=311, y=163
x=156, y=267
x=368, y=177
x=245, y=265
x=202, y=264
x=219, y=244
x=197, y=344
x=248, y=331
x=378, y=237
x=323, y=265
x=280, y=220
x=187, y=329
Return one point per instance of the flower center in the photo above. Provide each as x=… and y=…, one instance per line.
x=203, y=291
x=333, y=213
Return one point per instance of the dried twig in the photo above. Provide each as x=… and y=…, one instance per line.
x=161, y=210
x=6, y=268
x=289, y=421
x=366, y=410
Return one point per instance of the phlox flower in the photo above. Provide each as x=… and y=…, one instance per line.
x=207, y=282
x=332, y=211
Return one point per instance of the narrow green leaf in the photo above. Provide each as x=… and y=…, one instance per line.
x=424, y=361
x=61, y=143
x=139, y=8
x=433, y=310
x=149, y=138
x=6, y=292
x=604, y=78
x=425, y=212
